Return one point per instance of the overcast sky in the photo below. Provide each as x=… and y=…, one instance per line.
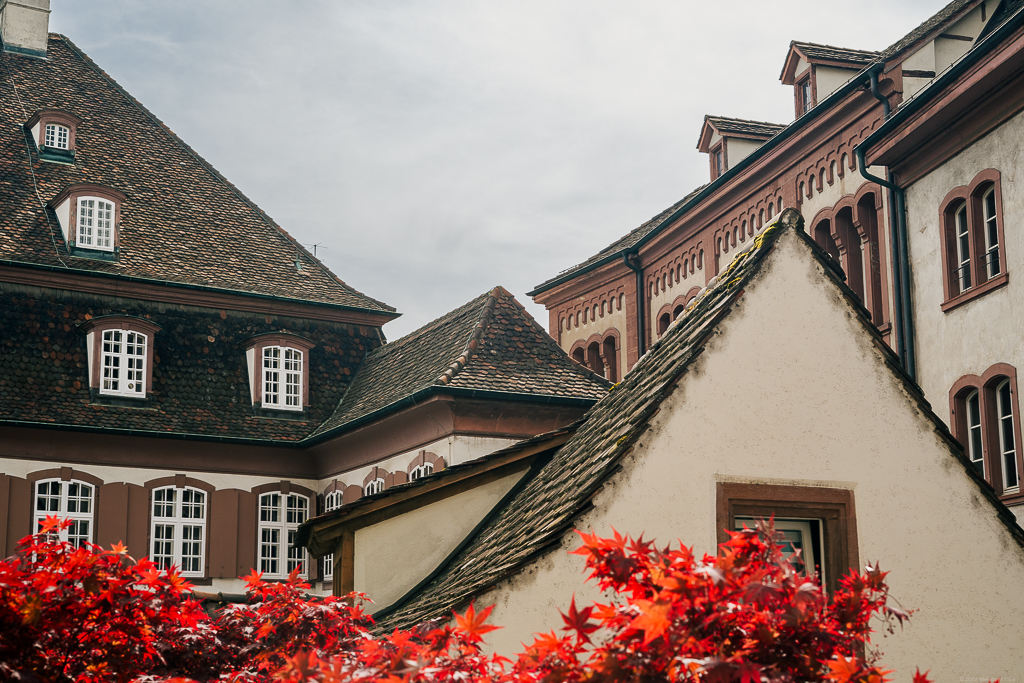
x=434, y=149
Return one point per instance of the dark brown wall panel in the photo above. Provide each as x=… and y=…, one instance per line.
x=19, y=512
x=112, y=515
x=223, y=533
x=138, y=521
x=246, y=553
x=5, y=500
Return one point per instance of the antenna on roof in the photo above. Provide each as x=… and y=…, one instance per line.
x=318, y=244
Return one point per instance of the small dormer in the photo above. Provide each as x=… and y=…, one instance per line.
x=816, y=71
x=89, y=217
x=53, y=132
x=727, y=141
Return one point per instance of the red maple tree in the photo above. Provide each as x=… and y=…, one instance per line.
x=743, y=616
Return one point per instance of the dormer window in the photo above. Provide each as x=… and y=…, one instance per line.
x=119, y=351
x=816, y=71
x=278, y=374
x=89, y=220
x=53, y=131
x=56, y=136
x=728, y=141
x=805, y=94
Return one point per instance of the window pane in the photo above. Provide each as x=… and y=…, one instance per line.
x=163, y=545
x=991, y=234
x=1007, y=440
x=963, y=249
x=297, y=509
x=270, y=507
x=974, y=442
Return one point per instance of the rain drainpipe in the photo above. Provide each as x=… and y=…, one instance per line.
x=631, y=259
x=903, y=314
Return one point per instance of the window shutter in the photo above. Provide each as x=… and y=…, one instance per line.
x=138, y=521
x=245, y=557
x=112, y=516
x=16, y=502
x=224, y=533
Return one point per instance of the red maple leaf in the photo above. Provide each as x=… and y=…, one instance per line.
x=579, y=620
x=473, y=624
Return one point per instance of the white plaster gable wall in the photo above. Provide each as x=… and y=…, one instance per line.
x=454, y=449
x=813, y=407
x=971, y=338
x=737, y=149
x=829, y=79
x=393, y=556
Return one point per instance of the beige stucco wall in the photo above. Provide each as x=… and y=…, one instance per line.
x=613, y=316
x=737, y=149
x=829, y=79
x=791, y=390
x=987, y=330
x=395, y=555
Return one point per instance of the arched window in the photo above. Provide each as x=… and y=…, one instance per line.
x=578, y=355
x=56, y=136
x=611, y=359
x=973, y=238
x=679, y=310
x=280, y=517
x=74, y=500
x=332, y=501
x=594, y=360
x=622, y=301
x=663, y=322
x=421, y=471
x=985, y=416
x=178, y=529
x=1007, y=436
x=374, y=486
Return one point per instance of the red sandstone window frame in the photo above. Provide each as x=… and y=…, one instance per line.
x=66, y=206
x=45, y=117
x=833, y=507
x=94, y=330
x=254, y=347
x=973, y=196
x=986, y=385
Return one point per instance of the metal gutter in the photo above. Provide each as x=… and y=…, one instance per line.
x=240, y=440
x=640, y=305
x=819, y=109
x=1004, y=30
x=185, y=285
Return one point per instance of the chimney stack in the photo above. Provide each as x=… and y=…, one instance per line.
x=24, y=26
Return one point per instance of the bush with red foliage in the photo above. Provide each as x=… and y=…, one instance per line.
x=745, y=615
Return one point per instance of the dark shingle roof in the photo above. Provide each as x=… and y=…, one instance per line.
x=726, y=126
x=546, y=507
x=831, y=53
x=489, y=344
x=182, y=222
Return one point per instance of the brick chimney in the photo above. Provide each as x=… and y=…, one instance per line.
x=24, y=26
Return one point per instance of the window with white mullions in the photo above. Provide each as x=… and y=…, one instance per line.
x=332, y=501
x=988, y=207
x=280, y=517
x=179, y=529
x=963, y=248
x=375, y=486
x=421, y=471
x=282, y=378
x=95, y=224
x=800, y=541
x=123, y=363
x=1007, y=438
x=72, y=500
x=56, y=136
x=974, y=433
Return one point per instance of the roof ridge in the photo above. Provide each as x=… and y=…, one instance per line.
x=473, y=343
x=734, y=118
x=88, y=61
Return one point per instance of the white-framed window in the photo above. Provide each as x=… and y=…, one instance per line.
x=975, y=451
x=74, y=500
x=123, y=363
x=800, y=541
x=280, y=517
x=332, y=501
x=375, y=486
x=1007, y=438
x=421, y=471
x=963, y=248
x=991, y=220
x=95, y=224
x=56, y=136
x=178, y=530
x=282, y=377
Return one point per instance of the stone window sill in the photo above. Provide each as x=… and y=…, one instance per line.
x=984, y=288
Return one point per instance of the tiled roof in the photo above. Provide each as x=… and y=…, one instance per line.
x=182, y=222
x=546, y=507
x=925, y=28
x=726, y=126
x=489, y=344
x=623, y=244
x=831, y=53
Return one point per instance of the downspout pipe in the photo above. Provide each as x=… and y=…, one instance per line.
x=631, y=260
x=903, y=315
